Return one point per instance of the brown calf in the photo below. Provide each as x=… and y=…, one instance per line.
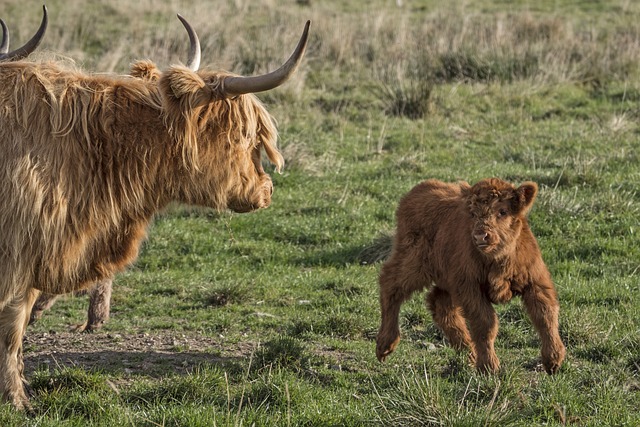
x=475, y=246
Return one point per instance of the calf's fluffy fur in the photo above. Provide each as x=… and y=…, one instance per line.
x=472, y=246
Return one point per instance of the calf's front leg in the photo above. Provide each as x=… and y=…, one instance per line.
x=541, y=302
x=483, y=325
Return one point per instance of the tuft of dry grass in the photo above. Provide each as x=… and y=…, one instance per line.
x=446, y=44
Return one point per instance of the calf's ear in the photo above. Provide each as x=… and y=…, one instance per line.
x=525, y=195
x=465, y=190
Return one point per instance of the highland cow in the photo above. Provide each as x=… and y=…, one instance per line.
x=88, y=160
x=100, y=294
x=473, y=247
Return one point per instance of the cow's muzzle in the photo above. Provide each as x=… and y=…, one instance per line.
x=259, y=198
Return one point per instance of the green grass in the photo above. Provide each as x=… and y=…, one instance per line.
x=274, y=313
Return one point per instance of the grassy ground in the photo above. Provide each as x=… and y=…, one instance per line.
x=270, y=318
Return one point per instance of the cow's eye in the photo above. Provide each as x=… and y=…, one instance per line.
x=502, y=213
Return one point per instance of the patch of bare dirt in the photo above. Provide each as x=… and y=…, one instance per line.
x=130, y=354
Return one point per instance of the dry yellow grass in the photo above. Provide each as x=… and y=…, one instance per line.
x=450, y=41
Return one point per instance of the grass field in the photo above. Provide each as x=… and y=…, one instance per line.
x=270, y=318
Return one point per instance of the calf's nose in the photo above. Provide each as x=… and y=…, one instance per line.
x=481, y=236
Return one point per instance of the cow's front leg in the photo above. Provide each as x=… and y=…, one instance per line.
x=14, y=318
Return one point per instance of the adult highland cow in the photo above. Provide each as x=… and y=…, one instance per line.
x=100, y=293
x=87, y=160
x=475, y=246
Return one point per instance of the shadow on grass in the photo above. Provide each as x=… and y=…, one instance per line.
x=130, y=354
x=377, y=251
x=339, y=257
x=143, y=363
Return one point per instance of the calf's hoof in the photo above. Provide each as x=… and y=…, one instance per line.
x=553, y=361
x=488, y=365
x=551, y=368
x=385, y=346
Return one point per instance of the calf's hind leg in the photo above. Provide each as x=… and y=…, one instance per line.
x=398, y=281
x=449, y=318
x=14, y=318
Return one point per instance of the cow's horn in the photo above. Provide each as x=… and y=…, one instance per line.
x=4, y=46
x=193, y=63
x=234, y=86
x=31, y=45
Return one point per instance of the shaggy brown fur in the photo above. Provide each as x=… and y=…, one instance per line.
x=87, y=160
x=475, y=246
x=100, y=293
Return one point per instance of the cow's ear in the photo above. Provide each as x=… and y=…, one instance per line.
x=524, y=197
x=183, y=92
x=184, y=89
x=145, y=70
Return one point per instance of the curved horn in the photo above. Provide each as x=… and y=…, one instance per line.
x=31, y=45
x=193, y=63
x=234, y=86
x=4, y=46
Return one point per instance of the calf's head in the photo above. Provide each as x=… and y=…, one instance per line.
x=497, y=211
